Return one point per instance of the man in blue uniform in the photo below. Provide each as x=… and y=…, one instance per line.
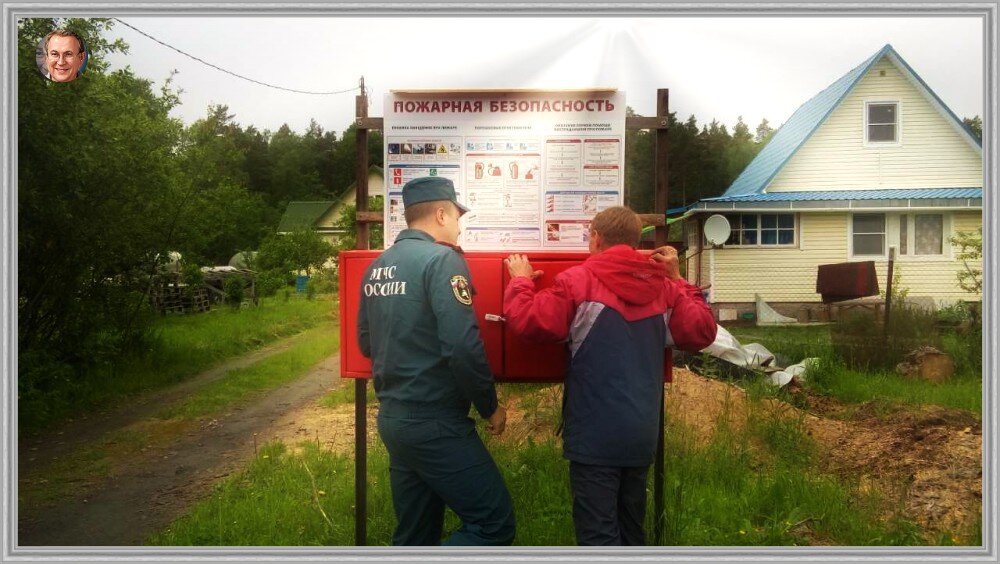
x=417, y=324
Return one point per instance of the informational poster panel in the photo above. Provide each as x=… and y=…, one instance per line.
x=534, y=167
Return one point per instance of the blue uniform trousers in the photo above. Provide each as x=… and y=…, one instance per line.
x=609, y=504
x=438, y=462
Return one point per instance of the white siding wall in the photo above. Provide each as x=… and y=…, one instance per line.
x=931, y=153
x=789, y=274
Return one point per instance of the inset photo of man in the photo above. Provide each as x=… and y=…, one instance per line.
x=61, y=56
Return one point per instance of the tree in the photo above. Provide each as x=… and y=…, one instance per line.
x=301, y=250
x=764, y=132
x=98, y=186
x=347, y=221
x=970, y=246
x=975, y=124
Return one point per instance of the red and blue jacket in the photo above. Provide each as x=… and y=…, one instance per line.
x=617, y=311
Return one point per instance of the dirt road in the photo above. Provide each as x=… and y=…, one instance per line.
x=147, y=493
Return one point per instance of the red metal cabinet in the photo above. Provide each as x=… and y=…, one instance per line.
x=510, y=357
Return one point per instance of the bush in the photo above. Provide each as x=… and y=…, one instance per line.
x=268, y=283
x=860, y=339
x=324, y=281
x=954, y=314
x=234, y=287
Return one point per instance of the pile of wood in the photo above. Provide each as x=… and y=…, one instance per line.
x=180, y=298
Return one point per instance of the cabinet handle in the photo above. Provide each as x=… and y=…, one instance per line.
x=495, y=317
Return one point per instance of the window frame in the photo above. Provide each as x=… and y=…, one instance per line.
x=759, y=230
x=892, y=236
x=885, y=236
x=899, y=123
x=947, y=251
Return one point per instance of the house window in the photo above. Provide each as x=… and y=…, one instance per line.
x=868, y=234
x=921, y=234
x=761, y=229
x=928, y=234
x=881, y=121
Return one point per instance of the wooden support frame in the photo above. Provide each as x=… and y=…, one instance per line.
x=659, y=123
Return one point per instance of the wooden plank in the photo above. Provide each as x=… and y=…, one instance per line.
x=370, y=217
x=369, y=123
x=642, y=122
x=654, y=219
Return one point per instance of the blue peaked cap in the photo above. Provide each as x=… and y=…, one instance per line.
x=430, y=189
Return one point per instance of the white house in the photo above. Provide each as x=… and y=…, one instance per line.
x=876, y=160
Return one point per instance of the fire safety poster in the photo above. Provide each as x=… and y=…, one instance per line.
x=533, y=167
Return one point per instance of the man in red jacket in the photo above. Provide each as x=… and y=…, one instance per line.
x=617, y=312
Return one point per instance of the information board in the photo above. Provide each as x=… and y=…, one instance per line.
x=533, y=167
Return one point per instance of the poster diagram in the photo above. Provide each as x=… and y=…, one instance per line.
x=532, y=167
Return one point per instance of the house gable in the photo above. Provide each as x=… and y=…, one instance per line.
x=930, y=152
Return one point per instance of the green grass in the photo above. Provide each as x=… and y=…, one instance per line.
x=793, y=343
x=345, y=394
x=47, y=484
x=756, y=484
x=852, y=386
x=834, y=378
x=242, y=384
x=181, y=346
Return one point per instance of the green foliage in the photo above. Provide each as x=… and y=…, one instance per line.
x=832, y=377
x=975, y=125
x=970, y=250
x=241, y=384
x=861, y=340
x=348, y=220
x=178, y=347
x=323, y=281
x=301, y=250
x=756, y=484
x=703, y=161
x=235, y=289
x=269, y=282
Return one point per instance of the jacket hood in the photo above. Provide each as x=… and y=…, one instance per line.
x=628, y=274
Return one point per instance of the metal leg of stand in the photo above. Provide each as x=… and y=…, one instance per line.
x=658, y=482
x=361, y=462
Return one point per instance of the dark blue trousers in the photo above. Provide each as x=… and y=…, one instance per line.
x=441, y=462
x=609, y=504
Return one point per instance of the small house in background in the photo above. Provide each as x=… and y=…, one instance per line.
x=322, y=215
x=876, y=160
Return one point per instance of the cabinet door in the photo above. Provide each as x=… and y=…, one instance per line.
x=526, y=360
x=486, y=273
x=353, y=364
x=486, y=279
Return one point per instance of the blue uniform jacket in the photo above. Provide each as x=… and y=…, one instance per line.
x=417, y=324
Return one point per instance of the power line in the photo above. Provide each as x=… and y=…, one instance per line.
x=230, y=72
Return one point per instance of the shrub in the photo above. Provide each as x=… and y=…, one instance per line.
x=860, y=338
x=324, y=281
x=954, y=314
x=234, y=287
x=268, y=283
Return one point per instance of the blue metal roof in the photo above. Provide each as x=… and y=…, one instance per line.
x=889, y=194
x=804, y=122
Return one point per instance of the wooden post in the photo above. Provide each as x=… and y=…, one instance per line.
x=660, y=161
x=888, y=292
x=361, y=384
x=660, y=198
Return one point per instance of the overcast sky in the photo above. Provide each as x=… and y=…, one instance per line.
x=715, y=67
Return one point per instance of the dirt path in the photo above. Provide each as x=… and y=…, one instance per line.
x=144, y=495
x=82, y=430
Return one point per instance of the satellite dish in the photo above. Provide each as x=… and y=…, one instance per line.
x=717, y=229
